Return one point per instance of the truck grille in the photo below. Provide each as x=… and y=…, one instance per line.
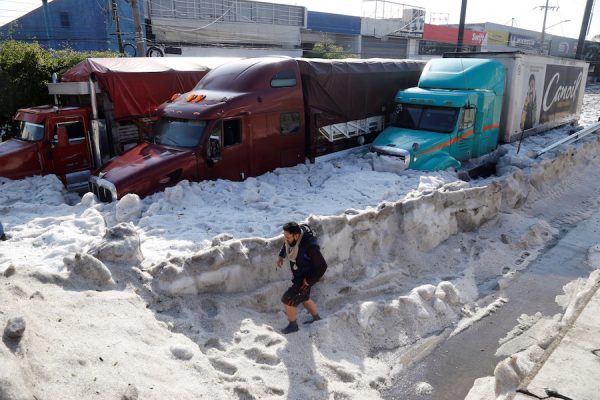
x=102, y=193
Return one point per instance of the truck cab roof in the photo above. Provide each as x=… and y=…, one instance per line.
x=242, y=85
x=437, y=97
x=463, y=74
x=39, y=114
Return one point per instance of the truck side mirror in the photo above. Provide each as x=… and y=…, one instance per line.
x=63, y=136
x=214, y=148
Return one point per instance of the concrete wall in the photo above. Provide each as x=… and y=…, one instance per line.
x=373, y=47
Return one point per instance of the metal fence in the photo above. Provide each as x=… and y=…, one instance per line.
x=229, y=11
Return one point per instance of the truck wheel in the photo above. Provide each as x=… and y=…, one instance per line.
x=129, y=50
x=463, y=175
x=154, y=51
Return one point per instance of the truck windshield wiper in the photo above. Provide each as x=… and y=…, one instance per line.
x=172, y=141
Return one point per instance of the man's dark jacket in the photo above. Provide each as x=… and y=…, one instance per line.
x=310, y=263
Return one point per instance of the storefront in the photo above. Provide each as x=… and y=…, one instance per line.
x=438, y=39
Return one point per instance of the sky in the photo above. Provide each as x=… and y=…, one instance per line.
x=521, y=13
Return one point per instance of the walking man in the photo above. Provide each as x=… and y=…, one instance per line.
x=300, y=247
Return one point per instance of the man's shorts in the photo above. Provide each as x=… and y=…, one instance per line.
x=295, y=295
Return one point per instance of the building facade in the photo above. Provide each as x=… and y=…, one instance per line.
x=78, y=25
x=225, y=27
x=244, y=28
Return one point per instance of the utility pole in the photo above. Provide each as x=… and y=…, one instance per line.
x=115, y=13
x=585, y=24
x=544, y=23
x=139, y=38
x=461, y=27
x=49, y=41
x=544, y=27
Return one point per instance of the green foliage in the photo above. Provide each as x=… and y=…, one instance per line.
x=26, y=68
x=328, y=50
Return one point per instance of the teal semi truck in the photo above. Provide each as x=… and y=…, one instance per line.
x=466, y=103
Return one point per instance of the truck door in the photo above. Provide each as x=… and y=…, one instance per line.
x=462, y=148
x=227, y=150
x=291, y=130
x=69, y=144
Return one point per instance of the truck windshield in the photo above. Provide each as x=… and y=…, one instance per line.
x=425, y=118
x=179, y=133
x=30, y=132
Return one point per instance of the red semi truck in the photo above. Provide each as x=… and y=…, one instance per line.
x=103, y=106
x=250, y=116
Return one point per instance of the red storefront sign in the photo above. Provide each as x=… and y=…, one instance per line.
x=448, y=34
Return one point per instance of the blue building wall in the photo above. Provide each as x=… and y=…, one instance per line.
x=334, y=23
x=79, y=25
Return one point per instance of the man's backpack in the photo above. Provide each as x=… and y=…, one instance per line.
x=306, y=229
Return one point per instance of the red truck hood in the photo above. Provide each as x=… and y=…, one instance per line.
x=18, y=159
x=144, y=169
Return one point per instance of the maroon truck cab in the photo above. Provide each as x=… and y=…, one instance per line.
x=243, y=119
x=112, y=104
x=49, y=140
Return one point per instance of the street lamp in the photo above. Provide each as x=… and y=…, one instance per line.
x=544, y=29
x=558, y=23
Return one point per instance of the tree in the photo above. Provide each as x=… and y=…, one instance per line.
x=329, y=50
x=26, y=68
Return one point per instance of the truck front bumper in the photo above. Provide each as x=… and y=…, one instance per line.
x=401, y=154
x=104, y=190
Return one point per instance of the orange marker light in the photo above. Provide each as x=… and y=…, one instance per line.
x=175, y=96
x=191, y=97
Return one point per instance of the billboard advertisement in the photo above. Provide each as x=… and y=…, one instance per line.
x=526, y=42
x=531, y=94
x=548, y=93
x=563, y=47
x=449, y=34
x=561, y=92
x=497, y=37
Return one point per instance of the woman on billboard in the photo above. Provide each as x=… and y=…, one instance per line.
x=530, y=106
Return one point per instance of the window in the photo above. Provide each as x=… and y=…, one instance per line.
x=30, y=132
x=74, y=129
x=214, y=142
x=64, y=20
x=425, y=118
x=467, y=119
x=232, y=132
x=179, y=133
x=289, y=123
x=284, y=79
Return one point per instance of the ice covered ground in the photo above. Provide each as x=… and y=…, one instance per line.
x=188, y=287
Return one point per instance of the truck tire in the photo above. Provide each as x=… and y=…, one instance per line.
x=154, y=51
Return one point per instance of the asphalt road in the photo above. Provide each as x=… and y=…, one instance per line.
x=455, y=364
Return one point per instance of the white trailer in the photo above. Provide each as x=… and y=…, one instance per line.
x=541, y=92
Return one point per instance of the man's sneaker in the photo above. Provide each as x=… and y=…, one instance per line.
x=291, y=328
x=315, y=318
